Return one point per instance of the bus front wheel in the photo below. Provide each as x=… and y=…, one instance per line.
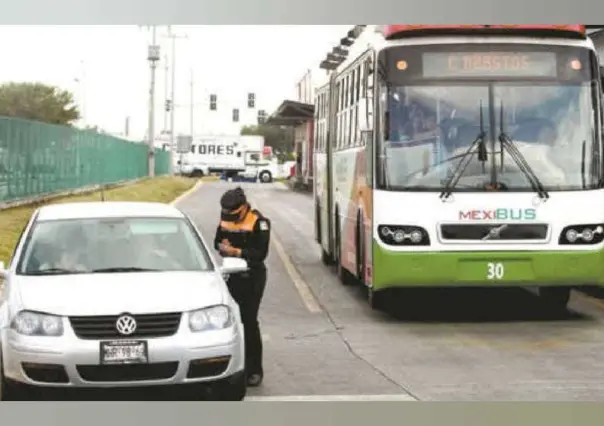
x=376, y=299
x=557, y=297
x=342, y=273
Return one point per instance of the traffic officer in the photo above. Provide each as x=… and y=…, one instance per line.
x=244, y=232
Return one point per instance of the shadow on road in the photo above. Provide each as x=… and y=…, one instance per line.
x=159, y=393
x=470, y=305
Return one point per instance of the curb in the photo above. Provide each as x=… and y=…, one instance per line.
x=186, y=194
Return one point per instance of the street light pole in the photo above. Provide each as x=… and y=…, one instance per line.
x=166, y=88
x=192, y=111
x=173, y=70
x=152, y=57
x=173, y=36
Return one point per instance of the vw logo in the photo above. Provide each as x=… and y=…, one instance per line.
x=125, y=325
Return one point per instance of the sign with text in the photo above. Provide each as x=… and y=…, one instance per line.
x=489, y=64
x=183, y=143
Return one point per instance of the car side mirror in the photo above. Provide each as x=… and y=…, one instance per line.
x=3, y=271
x=233, y=265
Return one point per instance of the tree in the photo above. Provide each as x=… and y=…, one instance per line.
x=39, y=102
x=279, y=138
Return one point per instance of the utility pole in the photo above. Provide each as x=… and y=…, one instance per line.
x=173, y=36
x=152, y=57
x=166, y=84
x=192, y=109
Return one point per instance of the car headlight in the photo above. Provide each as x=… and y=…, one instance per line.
x=37, y=324
x=213, y=318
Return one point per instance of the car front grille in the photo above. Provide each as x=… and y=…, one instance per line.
x=128, y=372
x=147, y=326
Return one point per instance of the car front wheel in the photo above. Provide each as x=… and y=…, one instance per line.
x=10, y=390
x=232, y=388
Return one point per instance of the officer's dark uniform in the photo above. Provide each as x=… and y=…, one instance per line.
x=249, y=231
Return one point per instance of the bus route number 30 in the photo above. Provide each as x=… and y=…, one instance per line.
x=495, y=271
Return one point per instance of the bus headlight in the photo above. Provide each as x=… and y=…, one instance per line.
x=572, y=235
x=582, y=234
x=403, y=235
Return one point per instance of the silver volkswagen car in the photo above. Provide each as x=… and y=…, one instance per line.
x=118, y=294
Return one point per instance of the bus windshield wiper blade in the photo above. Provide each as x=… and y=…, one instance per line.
x=466, y=157
x=508, y=144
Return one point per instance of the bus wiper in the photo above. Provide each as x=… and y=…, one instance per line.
x=507, y=143
x=480, y=146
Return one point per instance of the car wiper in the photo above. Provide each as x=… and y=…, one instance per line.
x=124, y=269
x=478, y=144
x=55, y=271
x=507, y=143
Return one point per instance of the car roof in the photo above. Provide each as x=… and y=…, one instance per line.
x=107, y=209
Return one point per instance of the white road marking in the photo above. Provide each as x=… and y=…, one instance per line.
x=303, y=288
x=325, y=398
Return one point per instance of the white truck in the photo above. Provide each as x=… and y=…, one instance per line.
x=232, y=155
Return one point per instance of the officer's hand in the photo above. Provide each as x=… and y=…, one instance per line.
x=231, y=251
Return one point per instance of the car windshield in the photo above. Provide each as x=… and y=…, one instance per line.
x=428, y=125
x=112, y=245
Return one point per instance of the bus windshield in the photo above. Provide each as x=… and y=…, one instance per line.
x=435, y=103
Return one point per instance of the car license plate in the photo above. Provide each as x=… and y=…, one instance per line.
x=124, y=352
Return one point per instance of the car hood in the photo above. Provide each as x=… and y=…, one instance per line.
x=115, y=293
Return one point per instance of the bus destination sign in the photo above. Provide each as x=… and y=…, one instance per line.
x=489, y=64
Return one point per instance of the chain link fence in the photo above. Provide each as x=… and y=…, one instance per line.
x=38, y=159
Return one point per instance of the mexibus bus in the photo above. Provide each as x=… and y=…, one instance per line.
x=463, y=156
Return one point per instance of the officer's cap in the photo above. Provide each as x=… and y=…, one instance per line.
x=233, y=199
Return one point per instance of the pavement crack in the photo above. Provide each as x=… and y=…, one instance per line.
x=338, y=330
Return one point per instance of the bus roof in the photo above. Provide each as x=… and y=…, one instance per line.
x=401, y=30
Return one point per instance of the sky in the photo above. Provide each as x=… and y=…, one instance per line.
x=106, y=68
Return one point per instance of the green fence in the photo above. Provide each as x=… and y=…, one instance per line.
x=38, y=158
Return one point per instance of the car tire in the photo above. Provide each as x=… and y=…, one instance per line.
x=266, y=177
x=233, y=388
x=10, y=390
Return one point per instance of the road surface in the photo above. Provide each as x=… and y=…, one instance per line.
x=322, y=341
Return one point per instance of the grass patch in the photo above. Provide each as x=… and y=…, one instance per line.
x=161, y=189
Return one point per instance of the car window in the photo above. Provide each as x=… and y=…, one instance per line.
x=113, y=245
x=21, y=235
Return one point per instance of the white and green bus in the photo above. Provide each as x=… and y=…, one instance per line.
x=455, y=156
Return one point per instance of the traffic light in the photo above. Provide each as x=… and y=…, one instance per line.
x=251, y=100
x=261, y=116
x=168, y=105
x=235, y=115
x=213, y=102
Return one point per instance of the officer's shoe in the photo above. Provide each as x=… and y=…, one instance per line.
x=254, y=380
